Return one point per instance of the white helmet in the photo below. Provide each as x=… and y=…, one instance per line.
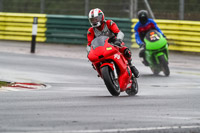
x=96, y=17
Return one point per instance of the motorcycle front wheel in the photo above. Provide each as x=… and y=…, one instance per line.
x=155, y=71
x=111, y=83
x=164, y=65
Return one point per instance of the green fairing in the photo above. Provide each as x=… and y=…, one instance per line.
x=155, y=51
x=155, y=45
x=149, y=57
x=153, y=55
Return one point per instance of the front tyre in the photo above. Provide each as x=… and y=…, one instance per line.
x=111, y=83
x=164, y=65
x=155, y=70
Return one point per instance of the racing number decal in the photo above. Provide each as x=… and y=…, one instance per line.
x=116, y=56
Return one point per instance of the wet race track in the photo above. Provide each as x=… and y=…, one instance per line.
x=76, y=100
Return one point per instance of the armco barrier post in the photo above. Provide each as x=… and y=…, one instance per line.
x=34, y=34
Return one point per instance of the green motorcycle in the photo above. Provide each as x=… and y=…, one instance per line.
x=156, y=52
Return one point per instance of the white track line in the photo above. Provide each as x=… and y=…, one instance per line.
x=133, y=129
x=122, y=130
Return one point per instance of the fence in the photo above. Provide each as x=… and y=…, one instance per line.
x=167, y=9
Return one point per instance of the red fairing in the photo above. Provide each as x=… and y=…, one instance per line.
x=109, y=55
x=108, y=64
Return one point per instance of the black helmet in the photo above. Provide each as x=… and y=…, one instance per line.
x=143, y=16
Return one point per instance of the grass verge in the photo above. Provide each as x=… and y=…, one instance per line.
x=3, y=83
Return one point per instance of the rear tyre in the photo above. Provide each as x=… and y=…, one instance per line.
x=164, y=65
x=134, y=87
x=111, y=83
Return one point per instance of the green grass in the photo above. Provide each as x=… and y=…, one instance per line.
x=3, y=83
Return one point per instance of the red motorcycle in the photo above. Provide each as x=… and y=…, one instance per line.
x=112, y=67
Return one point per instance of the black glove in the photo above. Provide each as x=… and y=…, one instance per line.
x=142, y=45
x=127, y=52
x=164, y=36
x=118, y=43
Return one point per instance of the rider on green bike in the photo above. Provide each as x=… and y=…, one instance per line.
x=141, y=28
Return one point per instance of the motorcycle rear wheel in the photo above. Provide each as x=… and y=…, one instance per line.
x=111, y=83
x=164, y=65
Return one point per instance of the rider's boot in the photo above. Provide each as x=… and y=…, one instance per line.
x=142, y=55
x=127, y=54
x=133, y=69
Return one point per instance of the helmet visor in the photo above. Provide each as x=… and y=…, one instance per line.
x=143, y=20
x=95, y=20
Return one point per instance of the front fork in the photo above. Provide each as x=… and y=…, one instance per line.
x=115, y=71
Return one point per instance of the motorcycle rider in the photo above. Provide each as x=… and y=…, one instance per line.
x=102, y=27
x=141, y=28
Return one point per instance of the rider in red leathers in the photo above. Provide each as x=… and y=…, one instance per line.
x=102, y=27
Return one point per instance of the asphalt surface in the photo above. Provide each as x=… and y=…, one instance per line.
x=76, y=100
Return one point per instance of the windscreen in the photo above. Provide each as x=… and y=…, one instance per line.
x=99, y=41
x=153, y=35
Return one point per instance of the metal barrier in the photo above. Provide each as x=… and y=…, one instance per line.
x=67, y=29
x=181, y=35
x=73, y=29
x=53, y=28
x=18, y=26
